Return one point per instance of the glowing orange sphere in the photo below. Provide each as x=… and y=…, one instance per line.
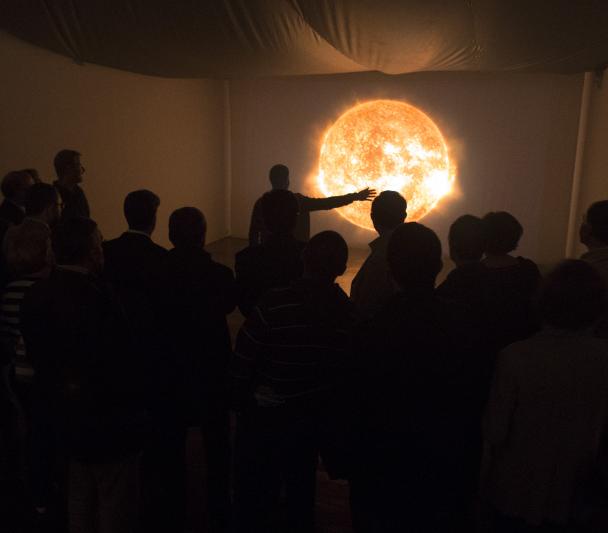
x=385, y=145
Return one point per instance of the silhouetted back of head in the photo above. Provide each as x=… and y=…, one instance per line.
x=40, y=197
x=15, y=184
x=279, y=177
x=466, y=238
x=27, y=248
x=597, y=221
x=414, y=256
x=280, y=211
x=325, y=256
x=187, y=227
x=573, y=296
x=65, y=162
x=140, y=210
x=389, y=209
x=34, y=174
x=502, y=233
x=73, y=240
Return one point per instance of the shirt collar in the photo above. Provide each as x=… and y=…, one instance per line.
x=137, y=232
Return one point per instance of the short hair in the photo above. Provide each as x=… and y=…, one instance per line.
x=278, y=175
x=26, y=248
x=34, y=174
x=140, y=209
x=502, y=232
x=597, y=220
x=389, y=209
x=187, y=227
x=73, y=240
x=466, y=238
x=414, y=255
x=573, y=296
x=13, y=183
x=325, y=255
x=39, y=197
x=280, y=211
x=64, y=160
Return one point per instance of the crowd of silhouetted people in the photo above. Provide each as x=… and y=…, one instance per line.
x=479, y=404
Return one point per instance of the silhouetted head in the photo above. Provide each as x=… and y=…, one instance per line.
x=389, y=209
x=594, y=230
x=325, y=256
x=42, y=202
x=573, y=296
x=140, y=210
x=15, y=186
x=414, y=256
x=279, y=177
x=27, y=248
x=34, y=174
x=187, y=228
x=502, y=233
x=280, y=211
x=77, y=241
x=68, y=167
x=466, y=240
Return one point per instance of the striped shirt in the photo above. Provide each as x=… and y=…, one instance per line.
x=10, y=322
x=293, y=347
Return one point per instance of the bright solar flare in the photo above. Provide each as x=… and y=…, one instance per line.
x=385, y=145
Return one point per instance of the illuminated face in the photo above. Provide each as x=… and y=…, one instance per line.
x=385, y=145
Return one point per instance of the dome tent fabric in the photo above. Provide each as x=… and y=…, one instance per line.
x=254, y=38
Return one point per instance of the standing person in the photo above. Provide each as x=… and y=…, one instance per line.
x=279, y=180
x=373, y=286
x=278, y=260
x=69, y=172
x=85, y=381
x=288, y=358
x=594, y=235
x=416, y=406
x=547, y=417
x=196, y=294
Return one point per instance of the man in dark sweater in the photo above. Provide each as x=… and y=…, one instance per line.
x=196, y=294
x=288, y=359
x=416, y=408
x=85, y=377
x=278, y=260
x=69, y=172
x=279, y=180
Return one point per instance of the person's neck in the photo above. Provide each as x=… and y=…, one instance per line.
x=66, y=184
x=499, y=261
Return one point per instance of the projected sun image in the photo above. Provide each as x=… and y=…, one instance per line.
x=385, y=145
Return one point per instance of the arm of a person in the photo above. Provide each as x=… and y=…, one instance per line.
x=307, y=203
x=256, y=225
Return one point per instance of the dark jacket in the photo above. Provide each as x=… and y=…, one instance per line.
x=75, y=203
x=196, y=294
x=275, y=263
x=257, y=229
x=85, y=367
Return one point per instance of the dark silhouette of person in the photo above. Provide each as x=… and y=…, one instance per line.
x=43, y=205
x=546, y=420
x=279, y=180
x=15, y=186
x=464, y=284
x=69, y=172
x=415, y=407
x=373, y=286
x=594, y=235
x=196, y=294
x=34, y=174
x=288, y=357
x=278, y=260
x=509, y=284
x=86, y=386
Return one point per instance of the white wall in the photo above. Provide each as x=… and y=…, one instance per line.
x=513, y=137
x=133, y=132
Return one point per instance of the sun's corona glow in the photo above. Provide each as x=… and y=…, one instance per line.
x=385, y=145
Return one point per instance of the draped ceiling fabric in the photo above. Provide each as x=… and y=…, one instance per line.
x=251, y=38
